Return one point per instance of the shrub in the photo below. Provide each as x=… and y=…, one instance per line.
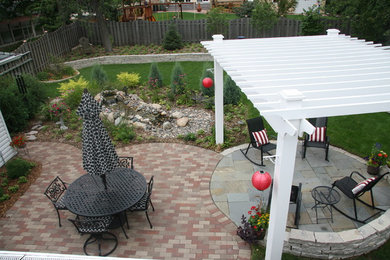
x=43, y=75
x=311, y=22
x=72, y=91
x=172, y=39
x=231, y=92
x=207, y=73
x=245, y=10
x=5, y=197
x=130, y=80
x=284, y=6
x=178, y=80
x=14, y=188
x=190, y=137
x=22, y=179
x=217, y=22
x=122, y=133
x=98, y=75
x=155, y=78
x=264, y=16
x=35, y=95
x=12, y=106
x=18, y=167
x=4, y=182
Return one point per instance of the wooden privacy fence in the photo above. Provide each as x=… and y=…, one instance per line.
x=37, y=54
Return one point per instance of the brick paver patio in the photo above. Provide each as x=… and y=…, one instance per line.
x=187, y=224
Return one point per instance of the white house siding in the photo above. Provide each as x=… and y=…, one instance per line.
x=304, y=5
x=6, y=151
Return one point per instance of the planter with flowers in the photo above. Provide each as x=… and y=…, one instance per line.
x=58, y=109
x=254, y=228
x=18, y=142
x=376, y=159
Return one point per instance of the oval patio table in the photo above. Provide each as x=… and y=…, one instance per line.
x=87, y=196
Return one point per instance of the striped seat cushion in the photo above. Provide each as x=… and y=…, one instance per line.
x=361, y=185
x=318, y=135
x=260, y=137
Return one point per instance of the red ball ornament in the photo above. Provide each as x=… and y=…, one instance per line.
x=261, y=180
x=207, y=82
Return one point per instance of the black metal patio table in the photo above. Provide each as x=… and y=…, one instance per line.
x=87, y=196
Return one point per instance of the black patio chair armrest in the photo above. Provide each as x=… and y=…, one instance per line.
x=357, y=174
x=125, y=160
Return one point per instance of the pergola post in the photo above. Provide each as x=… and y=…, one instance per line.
x=283, y=176
x=218, y=96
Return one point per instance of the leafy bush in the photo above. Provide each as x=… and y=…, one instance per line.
x=14, y=188
x=98, y=75
x=217, y=22
x=130, y=80
x=155, y=78
x=12, y=106
x=43, y=75
x=172, y=39
x=207, y=73
x=35, y=95
x=284, y=6
x=245, y=10
x=18, y=167
x=22, y=179
x=122, y=133
x=72, y=91
x=264, y=16
x=311, y=22
x=231, y=93
x=4, y=182
x=178, y=80
x=5, y=197
x=190, y=137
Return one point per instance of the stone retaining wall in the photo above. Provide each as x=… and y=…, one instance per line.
x=133, y=59
x=337, y=245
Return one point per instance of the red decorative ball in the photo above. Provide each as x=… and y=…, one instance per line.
x=207, y=82
x=261, y=180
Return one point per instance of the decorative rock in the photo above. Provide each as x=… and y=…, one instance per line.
x=182, y=121
x=31, y=138
x=118, y=120
x=63, y=127
x=177, y=114
x=99, y=97
x=36, y=127
x=140, y=125
x=167, y=125
x=32, y=133
x=163, y=113
x=156, y=106
x=110, y=117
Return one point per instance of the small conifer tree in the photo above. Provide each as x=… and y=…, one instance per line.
x=207, y=73
x=178, y=80
x=231, y=93
x=154, y=78
x=98, y=75
x=172, y=39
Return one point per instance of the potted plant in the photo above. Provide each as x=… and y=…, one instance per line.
x=18, y=142
x=254, y=228
x=376, y=159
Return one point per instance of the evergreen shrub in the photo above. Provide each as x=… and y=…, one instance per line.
x=231, y=93
x=178, y=80
x=312, y=23
x=130, y=80
x=18, y=167
x=98, y=75
x=172, y=39
x=154, y=78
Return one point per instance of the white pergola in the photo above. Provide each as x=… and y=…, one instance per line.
x=290, y=79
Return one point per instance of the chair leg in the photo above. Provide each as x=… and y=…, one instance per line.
x=354, y=207
x=326, y=153
x=303, y=151
x=151, y=204
x=59, y=218
x=147, y=216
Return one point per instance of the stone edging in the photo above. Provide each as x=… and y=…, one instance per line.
x=60, y=80
x=135, y=59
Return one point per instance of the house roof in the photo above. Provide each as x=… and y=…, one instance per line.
x=334, y=74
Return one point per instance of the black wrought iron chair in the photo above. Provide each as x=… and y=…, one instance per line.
x=318, y=139
x=126, y=162
x=97, y=227
x=295, y=198
x=55, y=192
x=145, y=201
x=354, y=190
x=258, y=140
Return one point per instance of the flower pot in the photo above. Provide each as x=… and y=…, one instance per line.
x=373, y=170
x=260, y=234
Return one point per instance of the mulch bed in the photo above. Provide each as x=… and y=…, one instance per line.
x=23, y=187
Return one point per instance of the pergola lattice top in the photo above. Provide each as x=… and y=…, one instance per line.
x=336, y=74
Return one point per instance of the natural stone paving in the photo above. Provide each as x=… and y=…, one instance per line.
x=233, y=193
x=187, y=224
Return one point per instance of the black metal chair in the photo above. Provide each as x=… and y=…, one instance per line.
x=295, y=198
x=145, y=201
x=55, y=192
x=315, y=140
x=126, y=162
x=97, y=227
x=255, y=125
x=354, y=190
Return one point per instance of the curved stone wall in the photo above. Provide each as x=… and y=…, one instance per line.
x=134, y=59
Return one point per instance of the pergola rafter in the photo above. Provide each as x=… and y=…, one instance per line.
x=290, y=79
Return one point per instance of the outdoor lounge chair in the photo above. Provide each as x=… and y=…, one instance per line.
x=55, y=192
x=295, y=198
x=258, y=139
x=143, y=203
x=126, y=162
x=97, y=227
x=354, y=190
x=318, y=139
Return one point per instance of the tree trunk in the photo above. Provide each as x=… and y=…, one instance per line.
x=103, y=30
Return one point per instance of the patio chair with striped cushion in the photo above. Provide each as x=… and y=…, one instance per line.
x=318, y=139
